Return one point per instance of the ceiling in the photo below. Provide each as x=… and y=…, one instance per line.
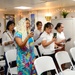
x=35, y=4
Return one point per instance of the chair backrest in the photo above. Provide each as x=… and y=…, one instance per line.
x=11, y=56
x=74, y=43
x=72, y=52
x=1, y=50
x=63, y=57
x=44, y=63
x=35, y=52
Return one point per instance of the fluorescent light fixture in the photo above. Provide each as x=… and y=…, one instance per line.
x=22, y=7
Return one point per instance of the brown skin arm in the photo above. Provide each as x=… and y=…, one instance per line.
x=60, y=42
x=21, y=43
x=8, y=43
x=45, y=43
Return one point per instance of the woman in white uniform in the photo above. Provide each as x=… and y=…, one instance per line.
x=47, y=44
x=8, y=40
x=60, y=36
x=37, y=34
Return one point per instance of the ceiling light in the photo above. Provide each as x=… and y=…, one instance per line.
x=22, y=7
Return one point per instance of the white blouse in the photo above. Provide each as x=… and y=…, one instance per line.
x=60, y=36
x=6, y=37
x=36, y=37
x=49, y=49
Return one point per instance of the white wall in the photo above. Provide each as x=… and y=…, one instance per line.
x=40, y=15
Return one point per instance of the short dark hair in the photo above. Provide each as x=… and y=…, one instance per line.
x=27, y=19
x=37, y=23
x=58, y=26
x=9, y=23
x=47, y=25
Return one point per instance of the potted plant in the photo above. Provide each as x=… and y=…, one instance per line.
x=64, y=14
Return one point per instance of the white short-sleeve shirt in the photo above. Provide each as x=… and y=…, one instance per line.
x=6, y=38
x=36, y=37
x=60, y=36
x=49, y=49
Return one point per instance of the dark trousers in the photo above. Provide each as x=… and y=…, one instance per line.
x=6, y=65
x=52, y=71
x=38, y=50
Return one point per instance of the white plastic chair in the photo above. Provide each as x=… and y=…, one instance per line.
x=1, y=51
x=44, y=63
x=2, y=62
x=11, y=56
x=35, y=52
x=72, y=52
x=63, y=57
x=74, y=43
